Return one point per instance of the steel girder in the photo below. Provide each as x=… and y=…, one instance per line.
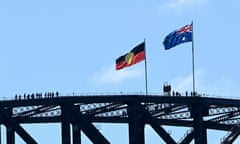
x=199, y=113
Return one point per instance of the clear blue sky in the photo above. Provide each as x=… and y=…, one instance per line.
x=71, y=46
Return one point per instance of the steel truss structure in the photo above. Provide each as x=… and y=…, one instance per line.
x=80, y=112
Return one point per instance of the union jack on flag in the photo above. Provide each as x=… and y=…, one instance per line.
x=179, y=36
x=186, y=28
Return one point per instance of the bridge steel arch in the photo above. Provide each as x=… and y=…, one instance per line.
x=195, y=112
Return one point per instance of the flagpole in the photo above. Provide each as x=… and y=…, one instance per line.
x=145, y=68
x=193, y=66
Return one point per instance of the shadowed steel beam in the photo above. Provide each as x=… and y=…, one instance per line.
x=235, y=132
x=155, y=125
x=10, y=136
x=88, y=128
x=9, y=122
x=76, y=134
x=93, y=110
x=188, y=138
x=65, y=124
x=20, y=131
x=9, y=130
x=200, y=132
x=120, y=99
x=135, y=124
x=76, y=129
x=169, y=122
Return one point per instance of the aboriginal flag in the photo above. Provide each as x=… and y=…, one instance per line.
x=137, y=54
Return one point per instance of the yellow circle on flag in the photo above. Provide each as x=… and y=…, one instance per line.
x=129, y=58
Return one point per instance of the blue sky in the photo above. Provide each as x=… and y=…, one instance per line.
x=71, y=47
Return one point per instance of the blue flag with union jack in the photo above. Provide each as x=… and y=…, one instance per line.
x=179, y=36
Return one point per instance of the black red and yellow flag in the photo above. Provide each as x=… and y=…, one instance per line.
x=137, y=54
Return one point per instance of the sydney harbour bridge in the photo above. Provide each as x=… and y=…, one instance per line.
x=77, y=114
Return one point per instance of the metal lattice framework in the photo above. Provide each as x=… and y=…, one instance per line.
x=80, y=112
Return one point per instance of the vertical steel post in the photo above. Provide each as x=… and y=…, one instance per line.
x=76, y=133
x=10, y=135
x=0, y=134
x=9, y=130
x=76, y=128
x=65, y=124
x=200, y=131
x=135, y=124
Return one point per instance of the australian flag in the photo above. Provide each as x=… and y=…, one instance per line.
x=179, y=36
